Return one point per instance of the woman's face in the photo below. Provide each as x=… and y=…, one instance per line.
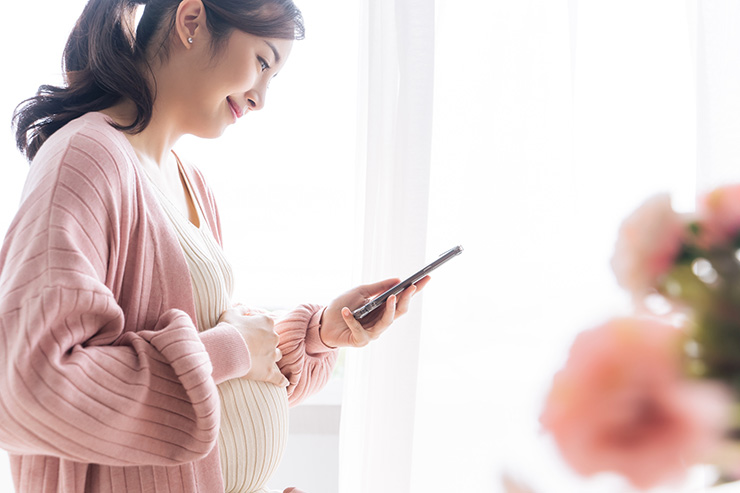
x=219, y=89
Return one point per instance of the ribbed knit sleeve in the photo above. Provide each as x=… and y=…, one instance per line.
x=306, y=361
x=95, y=367
x=228, y=352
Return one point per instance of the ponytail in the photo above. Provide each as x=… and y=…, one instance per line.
x=104, y=62
x=101, y=66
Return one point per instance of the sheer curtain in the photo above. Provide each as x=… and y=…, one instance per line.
x=394, y=145
x=551, y=121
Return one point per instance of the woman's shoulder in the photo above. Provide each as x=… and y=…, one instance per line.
x=86, y=145
x=85, y=154
x=92, y=136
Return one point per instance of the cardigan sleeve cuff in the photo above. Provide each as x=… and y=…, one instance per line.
x=314, y=345
x=228, y=352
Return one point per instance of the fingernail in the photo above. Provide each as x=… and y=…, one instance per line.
x=345, y=311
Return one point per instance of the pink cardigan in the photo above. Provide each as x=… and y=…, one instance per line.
x=106, y=383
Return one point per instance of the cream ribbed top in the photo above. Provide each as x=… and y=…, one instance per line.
x=254, y=415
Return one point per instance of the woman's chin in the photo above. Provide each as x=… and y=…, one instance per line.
x=211, y=132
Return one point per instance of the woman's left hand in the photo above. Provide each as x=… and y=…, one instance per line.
x=339, y=328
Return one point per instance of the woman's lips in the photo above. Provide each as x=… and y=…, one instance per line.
x=238, y=113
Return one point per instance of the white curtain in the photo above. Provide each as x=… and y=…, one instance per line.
x=394, y=142
x=551, y=120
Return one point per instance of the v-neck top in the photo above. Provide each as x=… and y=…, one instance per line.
x=254, y=415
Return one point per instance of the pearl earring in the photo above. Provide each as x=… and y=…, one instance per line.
x=190, y=40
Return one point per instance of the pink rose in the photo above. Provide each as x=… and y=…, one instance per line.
x=621, y=405
x=647, y=246
x=719, y=216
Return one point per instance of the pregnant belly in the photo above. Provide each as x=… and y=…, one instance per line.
x=253, y=434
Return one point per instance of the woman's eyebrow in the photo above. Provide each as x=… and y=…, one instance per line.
x=274, y=51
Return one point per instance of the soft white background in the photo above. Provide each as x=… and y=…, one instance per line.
x=552, y=120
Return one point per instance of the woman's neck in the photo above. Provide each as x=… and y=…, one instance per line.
x=153, y=148
x=154, y=144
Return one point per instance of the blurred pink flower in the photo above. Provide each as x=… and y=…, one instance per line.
x=648, y=243
x=719, y=215
x=621, y=405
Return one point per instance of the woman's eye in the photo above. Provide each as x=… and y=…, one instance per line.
x=263, y=63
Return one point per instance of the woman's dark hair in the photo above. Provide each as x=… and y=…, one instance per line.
x=104, y=62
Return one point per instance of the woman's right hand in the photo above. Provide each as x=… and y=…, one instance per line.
x=258, y=331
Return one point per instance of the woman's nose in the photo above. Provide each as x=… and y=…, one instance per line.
x=255, y=100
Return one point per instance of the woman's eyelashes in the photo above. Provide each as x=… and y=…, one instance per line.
x=263, y=63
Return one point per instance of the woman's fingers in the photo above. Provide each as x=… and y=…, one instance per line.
x=405, y=300
x=421, y=283
x=354, y=333
x=370, y=290
x=269, y=373
x=360, y=336
x=277, y=378
x=389, y=314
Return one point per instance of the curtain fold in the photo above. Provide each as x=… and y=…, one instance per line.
x=395, y=122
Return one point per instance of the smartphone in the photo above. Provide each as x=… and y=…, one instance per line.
x=378, y=301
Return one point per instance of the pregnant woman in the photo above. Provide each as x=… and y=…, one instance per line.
x=126, y=365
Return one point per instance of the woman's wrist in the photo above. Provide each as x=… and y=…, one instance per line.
x=228, y=351
x=319, y=325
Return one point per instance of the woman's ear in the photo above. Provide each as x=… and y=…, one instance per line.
x=190, y=17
